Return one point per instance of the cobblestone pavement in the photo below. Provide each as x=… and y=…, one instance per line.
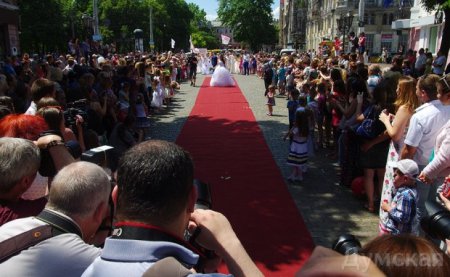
x=328, y=209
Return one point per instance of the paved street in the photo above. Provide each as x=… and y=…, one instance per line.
x=327, y=208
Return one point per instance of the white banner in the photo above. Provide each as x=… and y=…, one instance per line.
x=191, y=45
x=172, y=43
x=225, y=39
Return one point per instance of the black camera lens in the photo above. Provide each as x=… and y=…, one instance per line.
x=437, y=223
x=347, y=244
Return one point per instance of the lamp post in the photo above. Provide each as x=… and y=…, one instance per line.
x=344, y=24
x=87, y=21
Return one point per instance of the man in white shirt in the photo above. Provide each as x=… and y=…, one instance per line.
x=423, y=129
x=420, y=63
x=39, y=89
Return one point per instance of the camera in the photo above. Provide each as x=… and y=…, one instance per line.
x=99, y=155
x=73, y=109
x=203, y=195
x=203, y=202
x=346, y=245
x=437, y=223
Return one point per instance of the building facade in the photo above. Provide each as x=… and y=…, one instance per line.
x=425, y=28
x=9, y=28
x=293, y=24
x=373, y=17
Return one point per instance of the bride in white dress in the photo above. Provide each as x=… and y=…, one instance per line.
x=221, y=76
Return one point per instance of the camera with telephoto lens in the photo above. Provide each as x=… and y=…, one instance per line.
x=203, y=195
x=203, y=202
x=346, y=245
x=73, y=109
x=437, y=223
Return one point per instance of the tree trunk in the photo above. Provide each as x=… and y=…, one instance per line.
x=445, y=42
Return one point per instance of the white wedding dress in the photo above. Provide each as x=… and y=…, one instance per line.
x=221, y=77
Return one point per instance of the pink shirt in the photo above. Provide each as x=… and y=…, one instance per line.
x=440, y=166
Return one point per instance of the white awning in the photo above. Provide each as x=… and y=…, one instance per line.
x=401, y=24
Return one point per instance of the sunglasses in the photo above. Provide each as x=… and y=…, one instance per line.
x=443, y=80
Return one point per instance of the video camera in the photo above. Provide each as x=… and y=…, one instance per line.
x=73, y=109
x=437, y=223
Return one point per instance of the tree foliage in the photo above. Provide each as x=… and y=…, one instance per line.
x=200, y=28
x=48, y=25
x=42, y=23
x=250, y=20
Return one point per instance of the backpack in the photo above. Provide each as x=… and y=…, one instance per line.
x=268, y=73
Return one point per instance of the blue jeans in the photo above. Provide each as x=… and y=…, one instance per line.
x=246, y=70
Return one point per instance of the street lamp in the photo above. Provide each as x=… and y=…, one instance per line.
x=344, y=24
x=87, y=21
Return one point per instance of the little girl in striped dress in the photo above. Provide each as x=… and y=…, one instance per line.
x=298, y=151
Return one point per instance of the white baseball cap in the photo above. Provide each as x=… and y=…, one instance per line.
x=408, y=167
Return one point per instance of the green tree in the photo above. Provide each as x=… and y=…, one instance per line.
x=43, y=26
x=200, y=29
x=443, y=5
x=250, y=20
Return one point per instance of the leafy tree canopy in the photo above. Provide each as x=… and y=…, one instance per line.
x=250, y=20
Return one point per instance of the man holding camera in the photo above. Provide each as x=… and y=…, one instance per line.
x=155, y=208
x=55, y=243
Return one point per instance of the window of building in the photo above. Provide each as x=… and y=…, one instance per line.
x=391, y=18
x=373, y=18
x=387, y=44
x=404, y=40
x=369, y=43
x=433, y=38
x=385, y=19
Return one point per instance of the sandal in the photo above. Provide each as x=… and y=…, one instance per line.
x=369, y=208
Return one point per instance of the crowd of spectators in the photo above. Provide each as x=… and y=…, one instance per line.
x=373, y=118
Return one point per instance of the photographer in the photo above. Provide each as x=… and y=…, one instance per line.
x=49, y=109
x=56, y=241
x=31, y=127
x=155, y=205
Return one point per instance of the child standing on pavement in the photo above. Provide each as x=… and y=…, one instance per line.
x=298, y=150
x=292, y=106
x=270, y=99
x=282, y=79
x=402, y=209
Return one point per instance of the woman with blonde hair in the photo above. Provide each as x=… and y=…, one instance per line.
x=396, y=128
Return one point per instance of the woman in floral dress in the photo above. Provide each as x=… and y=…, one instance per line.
x=396, y=127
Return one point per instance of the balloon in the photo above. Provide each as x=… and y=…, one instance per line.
x=358, y=186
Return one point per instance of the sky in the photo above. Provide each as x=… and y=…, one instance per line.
x=210, y=7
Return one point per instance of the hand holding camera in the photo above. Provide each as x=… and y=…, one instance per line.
x=360, y=97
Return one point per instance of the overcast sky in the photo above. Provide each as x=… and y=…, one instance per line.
x=210, y=7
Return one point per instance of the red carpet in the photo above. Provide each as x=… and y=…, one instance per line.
x=230, y=154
